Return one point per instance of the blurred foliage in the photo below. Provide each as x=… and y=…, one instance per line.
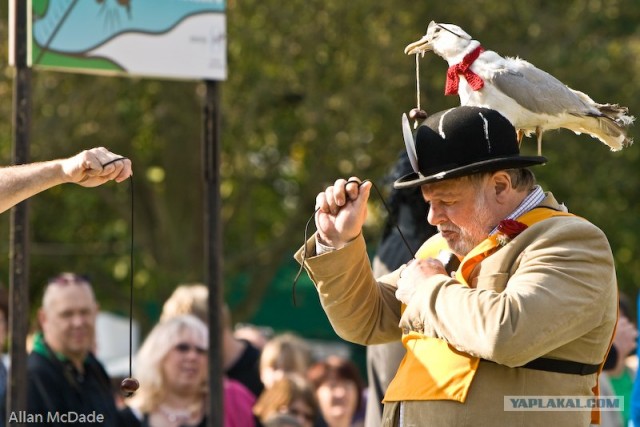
x=315, y=92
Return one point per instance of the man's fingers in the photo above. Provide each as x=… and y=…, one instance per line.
x=321, y=205
x=352, y=187
x=113, y=169
x=91, y=165
x=330, y=198
x=365, y=189
x=125, y=171
x=339, y=196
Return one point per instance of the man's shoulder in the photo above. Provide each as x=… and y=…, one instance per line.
x=37, y=362
x=92, y=359
x=97, y=366
x=43, y=369
x=571, y=221
x=569, y=232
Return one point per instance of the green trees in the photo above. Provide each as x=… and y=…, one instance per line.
x=315, y=91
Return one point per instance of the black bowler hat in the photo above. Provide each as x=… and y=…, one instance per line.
x=461, y=141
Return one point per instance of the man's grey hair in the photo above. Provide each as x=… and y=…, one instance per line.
x=522, y=179
x=64, y=279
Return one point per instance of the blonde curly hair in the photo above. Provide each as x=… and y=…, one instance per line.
x=188, y=298
x=148, y=363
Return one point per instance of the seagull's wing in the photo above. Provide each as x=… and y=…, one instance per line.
x=538, y=91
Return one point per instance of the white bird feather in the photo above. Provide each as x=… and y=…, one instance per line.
x=532, y=99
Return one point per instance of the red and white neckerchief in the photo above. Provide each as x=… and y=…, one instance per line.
x=454, y=71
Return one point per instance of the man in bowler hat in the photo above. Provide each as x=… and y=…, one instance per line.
x=519, y=329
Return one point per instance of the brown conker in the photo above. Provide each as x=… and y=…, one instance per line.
x=128, y=386
x=417, y=114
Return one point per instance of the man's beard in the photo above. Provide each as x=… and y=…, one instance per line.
x=471, y=236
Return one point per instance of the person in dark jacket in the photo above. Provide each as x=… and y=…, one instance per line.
x=408, y=212
x=4, y=361
x=67, y=385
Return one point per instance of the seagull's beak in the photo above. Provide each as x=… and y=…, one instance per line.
x=422, y=45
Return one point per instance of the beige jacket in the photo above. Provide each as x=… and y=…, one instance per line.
x=550, y=292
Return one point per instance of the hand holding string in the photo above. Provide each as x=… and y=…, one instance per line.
x=341, y=211
x=325, y=204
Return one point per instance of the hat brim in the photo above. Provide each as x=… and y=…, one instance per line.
x=415, y=179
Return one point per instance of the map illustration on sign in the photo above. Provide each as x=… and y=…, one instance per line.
x=181, y=39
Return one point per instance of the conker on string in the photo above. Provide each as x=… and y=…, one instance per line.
x=416, y=114
x=128, y=386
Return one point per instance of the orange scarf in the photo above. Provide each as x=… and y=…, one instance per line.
x=432, y=369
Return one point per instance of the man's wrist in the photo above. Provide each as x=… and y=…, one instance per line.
x=322, y=248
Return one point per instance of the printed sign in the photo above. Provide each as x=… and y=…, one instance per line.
x=181, y=39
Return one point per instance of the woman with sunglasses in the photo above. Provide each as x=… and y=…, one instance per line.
x=171, y=367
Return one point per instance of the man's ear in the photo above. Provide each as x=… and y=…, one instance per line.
x=501, y=181
x=42, y=317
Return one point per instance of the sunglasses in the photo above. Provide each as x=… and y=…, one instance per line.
x=68, y=278
x=298, y=413
x=184, y=348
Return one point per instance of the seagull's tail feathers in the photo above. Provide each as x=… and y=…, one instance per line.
x=615, y=122
x=616, y=113
x=610, y=126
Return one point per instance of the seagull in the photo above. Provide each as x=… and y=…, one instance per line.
x=532, y=99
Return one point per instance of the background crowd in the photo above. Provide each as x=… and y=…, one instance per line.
x=271, y=379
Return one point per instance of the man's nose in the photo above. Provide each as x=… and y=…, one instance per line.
x=78, y=319
x=435, y=216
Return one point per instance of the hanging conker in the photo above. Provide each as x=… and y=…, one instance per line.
x=128, y=386
x=417, y=114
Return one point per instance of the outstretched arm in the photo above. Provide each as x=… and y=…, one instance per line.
x=20, y=182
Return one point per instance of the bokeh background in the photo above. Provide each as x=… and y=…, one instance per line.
x=315, y=91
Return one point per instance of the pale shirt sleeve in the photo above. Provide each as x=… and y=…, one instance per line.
x=323, y=249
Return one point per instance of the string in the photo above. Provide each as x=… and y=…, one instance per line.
x=417, y=82
x=415, y=123
x=130, y=269
x=306, y=234
x=131, y=282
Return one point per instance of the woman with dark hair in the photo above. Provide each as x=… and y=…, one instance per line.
x=291, y=395
x=338, y=386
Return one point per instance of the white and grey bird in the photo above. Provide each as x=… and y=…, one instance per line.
x=532, y=99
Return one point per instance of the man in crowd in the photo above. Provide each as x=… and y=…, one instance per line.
x=89, y=168
x=64, y=377
x=530, y=311
x=4, y=324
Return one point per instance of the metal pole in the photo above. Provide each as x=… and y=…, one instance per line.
x=213, y=247
x=19, y=247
